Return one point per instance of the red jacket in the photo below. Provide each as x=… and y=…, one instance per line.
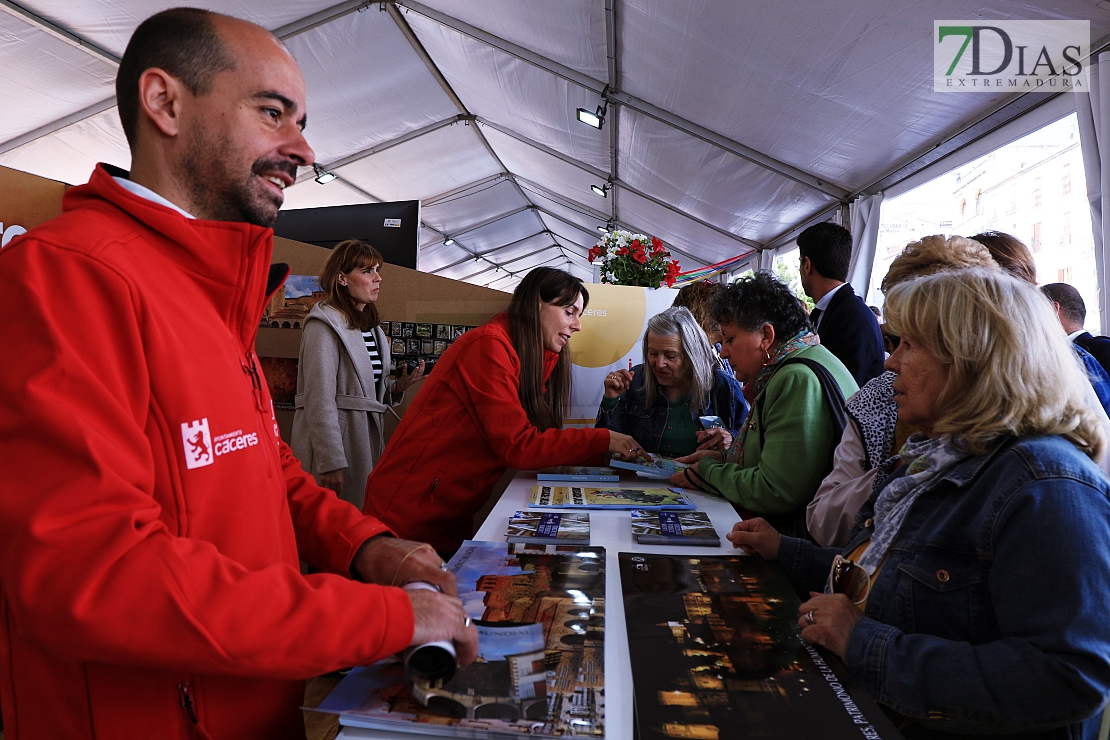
x=151, y=519
x=465, y=427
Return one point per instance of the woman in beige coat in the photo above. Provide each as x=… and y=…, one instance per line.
x=343, y=390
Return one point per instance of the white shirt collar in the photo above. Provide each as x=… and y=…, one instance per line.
x=1075, y=334
x=145, y=192
x=827, y=298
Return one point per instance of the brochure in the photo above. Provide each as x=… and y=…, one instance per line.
x=580, y=497
x=660, y=468
x=683, y=528
x=578, y=474
x=549, y=528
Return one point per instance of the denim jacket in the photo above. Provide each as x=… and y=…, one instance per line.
x=990, y=613
x=631, y=415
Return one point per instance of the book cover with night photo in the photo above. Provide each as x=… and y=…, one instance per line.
x=717, y=653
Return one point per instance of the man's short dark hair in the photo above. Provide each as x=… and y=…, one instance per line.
x=184, y=43
x=829, y=249
x=1072, y=307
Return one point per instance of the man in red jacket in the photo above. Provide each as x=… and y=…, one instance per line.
x=151, y=519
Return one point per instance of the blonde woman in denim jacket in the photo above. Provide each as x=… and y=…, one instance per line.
x=977, y=600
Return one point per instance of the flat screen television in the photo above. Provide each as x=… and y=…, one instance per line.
x=391, y=228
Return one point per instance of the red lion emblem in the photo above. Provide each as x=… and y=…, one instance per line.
x=199, y=449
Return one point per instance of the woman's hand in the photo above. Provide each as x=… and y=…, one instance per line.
x=828, y=619
x=694, y=457
x=333, y=479
x=714, y=439
x=625, y=447
x=617, y=382
x=404, y=380
x=755, y=537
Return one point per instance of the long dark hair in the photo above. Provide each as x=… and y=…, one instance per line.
x=352, y=254
x=545, y=409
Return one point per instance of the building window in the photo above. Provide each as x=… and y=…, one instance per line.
x=1037, y=167
x=1063, y=275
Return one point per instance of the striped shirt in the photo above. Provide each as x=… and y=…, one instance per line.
x=375, y=355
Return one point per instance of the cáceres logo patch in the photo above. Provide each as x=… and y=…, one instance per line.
x=202, y=449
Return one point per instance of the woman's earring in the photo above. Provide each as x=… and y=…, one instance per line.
x=766, y=357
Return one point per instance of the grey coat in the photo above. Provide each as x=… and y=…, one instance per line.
x=339, y=417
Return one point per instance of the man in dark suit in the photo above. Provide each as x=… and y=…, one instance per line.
x=1072, y=311
x=846, y=325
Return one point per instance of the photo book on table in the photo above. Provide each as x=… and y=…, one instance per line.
x=578, y=474
x=549, y=528
x=622, y=498
x=540, y=614
x=660, y=468
x=716, y=652
x=682, y=528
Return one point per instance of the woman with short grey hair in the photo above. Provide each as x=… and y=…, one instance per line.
x=678, y=400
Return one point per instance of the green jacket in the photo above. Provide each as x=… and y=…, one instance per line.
x=781, y=476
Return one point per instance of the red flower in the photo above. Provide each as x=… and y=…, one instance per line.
x=670, y=282
x=639, y=256
x=622, y=251
x=595, y=252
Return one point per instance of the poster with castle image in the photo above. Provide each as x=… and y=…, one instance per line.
x=540, y=613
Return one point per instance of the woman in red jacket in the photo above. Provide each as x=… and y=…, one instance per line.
x=496, y=400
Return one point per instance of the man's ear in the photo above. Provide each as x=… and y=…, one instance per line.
x=160, y=99
x=804, y=265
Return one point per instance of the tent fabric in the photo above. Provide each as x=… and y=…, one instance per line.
x=727, y=125
x=864, y=221
x=1094, y=112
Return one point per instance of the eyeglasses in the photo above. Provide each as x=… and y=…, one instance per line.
x=845, y=577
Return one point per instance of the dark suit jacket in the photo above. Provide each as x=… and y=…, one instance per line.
x=1097, y=346
x=851, y=332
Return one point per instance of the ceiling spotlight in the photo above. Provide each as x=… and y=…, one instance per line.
x=601, y=190
x=591, y=119
x=323, y=176
x=602, y=229
x=448, y=242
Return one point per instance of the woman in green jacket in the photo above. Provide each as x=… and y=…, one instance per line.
x=777, y=461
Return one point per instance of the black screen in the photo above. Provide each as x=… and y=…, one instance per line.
x=326, y=227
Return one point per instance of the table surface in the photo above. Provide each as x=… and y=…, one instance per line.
x=613, y=531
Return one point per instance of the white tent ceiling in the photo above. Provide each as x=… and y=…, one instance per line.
x=730, y=124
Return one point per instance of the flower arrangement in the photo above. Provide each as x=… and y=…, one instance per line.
x=634, y=259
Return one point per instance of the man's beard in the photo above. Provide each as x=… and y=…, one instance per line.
x=221, y=194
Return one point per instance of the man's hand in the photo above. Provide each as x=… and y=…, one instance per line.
x=333, y=479
x=755, y=537
x=389, y=561
x=441, y=617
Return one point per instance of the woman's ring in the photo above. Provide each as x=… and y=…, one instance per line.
x=810, y=619
x=466, y=622
x=443, y=567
